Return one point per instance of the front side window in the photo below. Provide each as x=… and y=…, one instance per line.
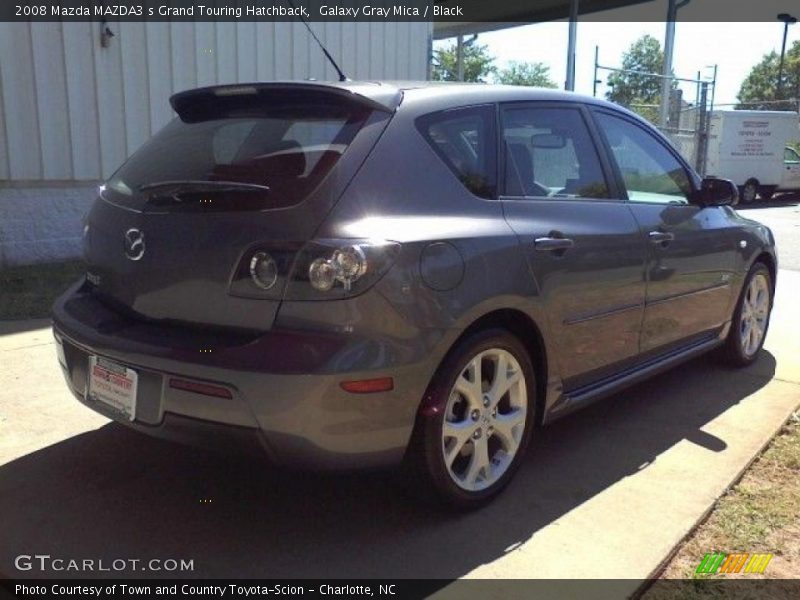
x=790, y=156
x=651, y=172
x=465, y=140
x=550, y=153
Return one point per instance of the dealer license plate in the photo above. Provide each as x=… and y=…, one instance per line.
x=113, y=384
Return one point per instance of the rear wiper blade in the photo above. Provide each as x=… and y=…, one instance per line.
x=228, y=186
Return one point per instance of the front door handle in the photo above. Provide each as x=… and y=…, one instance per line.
x=660, y=237
x=551, y=244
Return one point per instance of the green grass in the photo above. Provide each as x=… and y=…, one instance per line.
x=759, y=514
x=28, y=292
x=766, y=500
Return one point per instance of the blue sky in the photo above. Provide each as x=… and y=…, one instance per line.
x=734, y=47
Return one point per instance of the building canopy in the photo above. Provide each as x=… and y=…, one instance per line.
x=490, y=16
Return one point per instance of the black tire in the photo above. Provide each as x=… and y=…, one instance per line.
x=733, y=352
x=427, y=475
x=748, y=192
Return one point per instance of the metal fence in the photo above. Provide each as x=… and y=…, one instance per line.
x=687, y=118
x=792, y=104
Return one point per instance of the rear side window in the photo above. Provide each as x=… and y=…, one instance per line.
x=651, y=173
x=550, y=153
x=287, y=144
x=464, y=139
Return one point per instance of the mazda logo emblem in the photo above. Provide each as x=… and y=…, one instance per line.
x=134, y=244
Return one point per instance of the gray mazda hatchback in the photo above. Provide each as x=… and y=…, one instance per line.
x=357, y=275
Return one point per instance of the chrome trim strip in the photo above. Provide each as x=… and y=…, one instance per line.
x=710, y=288
x=605, y=313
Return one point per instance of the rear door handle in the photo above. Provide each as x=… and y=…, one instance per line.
x=550, y=244
x=660, y=237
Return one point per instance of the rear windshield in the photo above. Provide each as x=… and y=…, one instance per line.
x=285, y=145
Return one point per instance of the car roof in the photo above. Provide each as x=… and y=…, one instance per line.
x=452, y=92
x=455, y=93
x=388, y=95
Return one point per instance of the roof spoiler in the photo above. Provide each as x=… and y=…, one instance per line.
x=374, y=96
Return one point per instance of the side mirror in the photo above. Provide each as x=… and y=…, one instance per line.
x=717, y=192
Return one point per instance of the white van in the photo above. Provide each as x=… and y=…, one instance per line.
x=750, y=147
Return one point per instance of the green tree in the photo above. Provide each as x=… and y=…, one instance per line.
x=640, y=92
x=477, y=63
x=534, y=74
x=759, y=90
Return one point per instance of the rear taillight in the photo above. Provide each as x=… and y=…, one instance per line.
x=319, y=270
x=328, y=269
x=263, y=270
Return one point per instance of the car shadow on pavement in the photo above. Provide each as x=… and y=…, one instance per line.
x=21, y=326
x=112, y=493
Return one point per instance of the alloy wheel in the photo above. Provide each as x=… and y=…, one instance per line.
x=485, y=419
x=754, y=314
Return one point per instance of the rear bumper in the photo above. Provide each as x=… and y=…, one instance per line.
x=285, y=387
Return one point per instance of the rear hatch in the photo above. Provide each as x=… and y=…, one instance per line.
x=242, y=169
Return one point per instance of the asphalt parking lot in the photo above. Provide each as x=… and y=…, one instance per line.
x=782, y=215
x=607, y=492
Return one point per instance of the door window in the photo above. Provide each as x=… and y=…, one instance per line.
x=651, y=173
x=790, y=156
x=549, y=153
x=465, y=140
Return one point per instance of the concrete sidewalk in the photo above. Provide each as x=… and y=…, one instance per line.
x=35, y=411
x=606, y=493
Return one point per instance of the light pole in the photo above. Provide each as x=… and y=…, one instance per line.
x=787, y=20
x=666, y=70
x=461, y=46
x=573, y=37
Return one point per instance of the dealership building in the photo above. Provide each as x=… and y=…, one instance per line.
x=76, y=99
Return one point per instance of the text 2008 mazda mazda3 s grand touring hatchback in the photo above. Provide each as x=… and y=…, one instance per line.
x=361, y=275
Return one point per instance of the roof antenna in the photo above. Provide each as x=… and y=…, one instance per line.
x=342, y=76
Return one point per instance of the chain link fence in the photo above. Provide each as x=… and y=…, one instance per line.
x=688, y=114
